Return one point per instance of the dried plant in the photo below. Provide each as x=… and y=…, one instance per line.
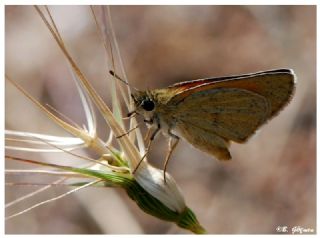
x=116, y=164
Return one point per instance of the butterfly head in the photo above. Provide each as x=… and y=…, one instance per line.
x=144, y=104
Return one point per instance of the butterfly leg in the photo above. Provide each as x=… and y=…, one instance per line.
x=129, y=115
x=127, y=133
x=172, y=146
x=148, y=146
x=150, y=122
x=147, y=135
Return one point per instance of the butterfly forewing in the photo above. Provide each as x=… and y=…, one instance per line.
x=231, y=113
x=276, y=86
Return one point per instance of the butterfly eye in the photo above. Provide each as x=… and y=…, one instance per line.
x=147, y=105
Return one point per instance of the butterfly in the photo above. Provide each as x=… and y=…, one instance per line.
x=210, y=113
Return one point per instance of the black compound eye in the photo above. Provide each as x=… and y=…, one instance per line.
x=147, y=105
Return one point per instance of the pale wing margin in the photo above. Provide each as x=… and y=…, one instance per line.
x=231, y=113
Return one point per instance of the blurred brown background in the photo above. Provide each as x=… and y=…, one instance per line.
x=271, y=180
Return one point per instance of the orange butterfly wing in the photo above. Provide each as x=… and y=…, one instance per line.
x=277, y=86
x=210, y=119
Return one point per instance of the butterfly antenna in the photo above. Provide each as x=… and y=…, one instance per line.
x=132, y=113
x=121, y=80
